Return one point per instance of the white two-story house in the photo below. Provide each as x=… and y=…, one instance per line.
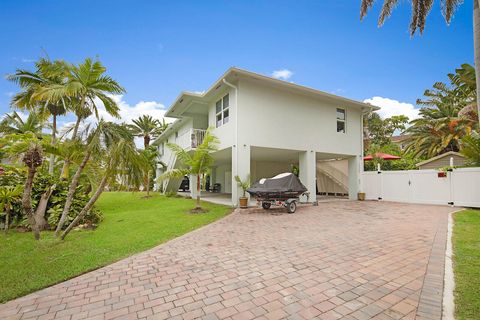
x=268, y=126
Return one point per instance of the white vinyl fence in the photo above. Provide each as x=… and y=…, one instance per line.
x=459, y=187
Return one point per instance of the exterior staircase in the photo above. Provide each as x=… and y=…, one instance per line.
x=331, y=179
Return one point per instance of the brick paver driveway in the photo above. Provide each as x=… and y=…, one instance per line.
x=348, y=260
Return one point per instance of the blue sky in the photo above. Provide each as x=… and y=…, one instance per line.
x=155, y=49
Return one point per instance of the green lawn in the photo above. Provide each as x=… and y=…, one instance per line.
x=466, y=247
x=131, y=224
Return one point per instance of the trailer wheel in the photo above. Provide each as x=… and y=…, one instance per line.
x=291, y=207
x=266, y=205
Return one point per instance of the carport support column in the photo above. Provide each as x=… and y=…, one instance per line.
x=353, y=177
x=308, y=168
x=240, y=167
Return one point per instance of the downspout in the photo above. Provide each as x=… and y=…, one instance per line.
x=363, y=146
x=235, y=146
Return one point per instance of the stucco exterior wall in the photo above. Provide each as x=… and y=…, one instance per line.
x=274, y=118
x=183, y=140
x=226, y=131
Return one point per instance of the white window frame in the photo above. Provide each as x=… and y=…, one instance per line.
x=220, y=118
x=344, y=120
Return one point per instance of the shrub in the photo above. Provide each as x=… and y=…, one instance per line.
x=16, y=176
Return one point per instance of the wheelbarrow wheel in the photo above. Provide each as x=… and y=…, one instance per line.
x=291, y=207
x=266, y=205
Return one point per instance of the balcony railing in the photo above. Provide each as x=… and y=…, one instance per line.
x=197, y=137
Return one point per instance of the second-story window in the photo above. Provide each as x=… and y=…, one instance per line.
x=222, y=110
x=341, y=123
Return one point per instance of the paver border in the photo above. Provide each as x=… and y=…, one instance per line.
x=430, y=305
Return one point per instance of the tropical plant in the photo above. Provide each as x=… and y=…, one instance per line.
x=119, y=157
x=244, y=184
x=146, y=127
x=420, y=11
x=13, y=123
x=88, y=83
x=378, y=131
x=441, y=124
x=85, y=86
x=407, y=161
x=46, y=73
x=14, y=175
x=197, y=163
x=151, y=155
x=471, y=148
x=104, y=133
x=9, y=195
x=29, y=148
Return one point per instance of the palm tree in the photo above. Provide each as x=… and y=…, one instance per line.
x=198, y=163
x=46, y=73
x=420, y=11
x=88, y=83
x=8, y=197
x=471, y=148
x=446, y=116
x=147, y=128
x=103, y=133
x=85, y=86
x=439, y=128
x=119, y=158
x=30, y=149
x=150, y=154
x=13, y=123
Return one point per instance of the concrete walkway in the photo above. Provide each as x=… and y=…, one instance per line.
x=340, y=260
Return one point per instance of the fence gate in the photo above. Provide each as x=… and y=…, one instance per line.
x=460, y=187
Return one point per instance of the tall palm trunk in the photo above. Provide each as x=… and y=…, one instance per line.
x=198, y=191
x=66, y=164
x=476, y=43
x=146, y=141
x=54, y=136
x=27, y=201
x=87, y=207
x=71, y=192
x=75, y=128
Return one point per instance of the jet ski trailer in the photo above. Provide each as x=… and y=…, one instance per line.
x=284, y=190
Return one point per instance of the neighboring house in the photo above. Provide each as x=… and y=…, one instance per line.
x=446, y=159
x=266, y=126
x=401, y=140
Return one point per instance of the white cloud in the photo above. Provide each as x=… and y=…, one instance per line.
x=127, y=113
x=283, y=74
x=390, y=107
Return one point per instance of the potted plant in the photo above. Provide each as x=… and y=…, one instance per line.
x=361, y=196
x=245, y=184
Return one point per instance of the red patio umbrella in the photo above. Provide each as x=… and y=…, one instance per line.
x=384, y=156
